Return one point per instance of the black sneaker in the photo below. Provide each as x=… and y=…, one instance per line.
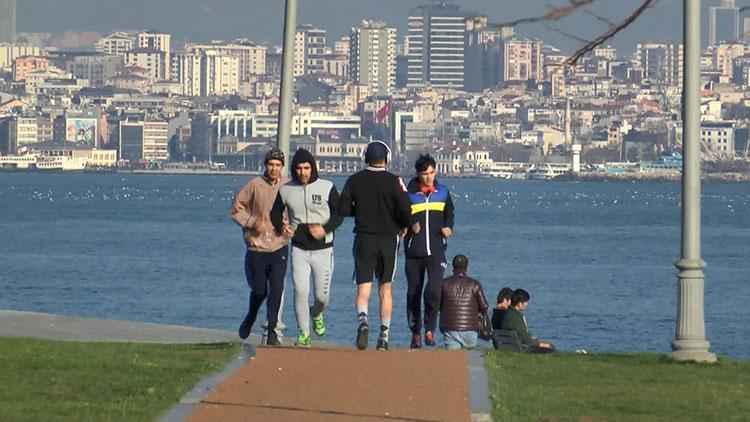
x=362, y=333
x=272, y=339
x=382, y=345
x=245, y=328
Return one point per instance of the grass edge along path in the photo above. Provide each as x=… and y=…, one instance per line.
x=60, y=380
x=566, y=386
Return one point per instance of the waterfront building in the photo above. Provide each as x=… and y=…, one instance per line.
x=144, y=141
x=717, y=139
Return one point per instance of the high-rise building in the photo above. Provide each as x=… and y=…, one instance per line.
x=309, y=49
x=97, y=69
x=661, y=62
x=159, y=41
x=436, y=45
x=522, y=60
x=206, y=72
x=372, y=56
x=154, y=61
x=10, y=52
x=115, y=43
x=251, y=56
x=483, y=58
x=8, y=21
x=186, y=70
x=724, y=23
x=724, y=54
x=220, y=73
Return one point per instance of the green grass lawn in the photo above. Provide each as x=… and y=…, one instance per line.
x=54, y=380
x=631, y=387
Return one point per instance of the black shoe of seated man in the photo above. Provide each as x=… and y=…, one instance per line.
x=245, y=328
x=382, y=345
x=272, y=339
x=362, y=333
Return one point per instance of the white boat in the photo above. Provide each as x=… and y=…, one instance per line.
x=38, y=162
x=548, y=171
x=504, y=170
x=61, y=163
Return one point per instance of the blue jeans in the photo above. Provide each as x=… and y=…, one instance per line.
x=456, y=340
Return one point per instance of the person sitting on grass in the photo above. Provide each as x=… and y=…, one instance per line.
x=515, y=321
x=503, y=303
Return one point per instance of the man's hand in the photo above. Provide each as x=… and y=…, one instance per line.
x=415, y=228
x=545, y=345
x=446, y=231
x=317, y=231
x=287, y=232
x=258, y=225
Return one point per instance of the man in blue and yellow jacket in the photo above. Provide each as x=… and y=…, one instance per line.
x=425, y=245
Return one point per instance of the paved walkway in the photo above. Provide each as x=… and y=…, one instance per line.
x=342, y=384
x=58, y=327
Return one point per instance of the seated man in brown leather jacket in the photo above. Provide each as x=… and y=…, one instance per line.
x=462, y=301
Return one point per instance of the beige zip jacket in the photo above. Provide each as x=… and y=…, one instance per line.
x=251, y=209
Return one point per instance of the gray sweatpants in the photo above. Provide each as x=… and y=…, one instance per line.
x=320, y=264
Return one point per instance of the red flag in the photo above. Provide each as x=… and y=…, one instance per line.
x=384, y=112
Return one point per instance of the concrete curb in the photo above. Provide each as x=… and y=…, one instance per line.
x=187, y=403
x=480, y=405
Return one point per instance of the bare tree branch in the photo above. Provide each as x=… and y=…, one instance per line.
x=611, y=32
x=567, y=34
x=555, y=13
x=600, y=18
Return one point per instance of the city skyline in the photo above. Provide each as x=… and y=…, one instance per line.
x=229, y=19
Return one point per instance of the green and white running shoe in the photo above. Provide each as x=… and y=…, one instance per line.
x=303, y=340
x=319, y=325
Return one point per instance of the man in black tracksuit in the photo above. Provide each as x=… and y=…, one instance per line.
x=425, y=244
x=377, y=200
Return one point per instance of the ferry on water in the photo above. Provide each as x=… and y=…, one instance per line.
x=42, y=163
x=548, y=171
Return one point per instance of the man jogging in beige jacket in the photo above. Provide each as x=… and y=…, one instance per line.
x=267, y=252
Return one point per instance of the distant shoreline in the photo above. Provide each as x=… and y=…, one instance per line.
x=725, y=177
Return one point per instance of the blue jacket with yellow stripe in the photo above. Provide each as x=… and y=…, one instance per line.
x=433, y=212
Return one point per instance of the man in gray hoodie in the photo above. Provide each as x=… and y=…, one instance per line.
x=311, y=205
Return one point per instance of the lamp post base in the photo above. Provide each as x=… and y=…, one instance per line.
x=695, y=350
